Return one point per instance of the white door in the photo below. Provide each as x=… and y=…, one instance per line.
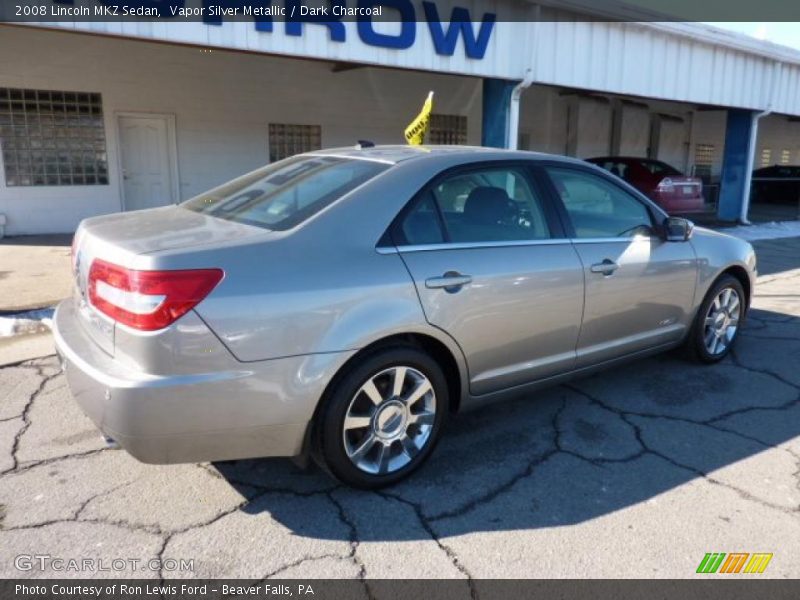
x=146, y=160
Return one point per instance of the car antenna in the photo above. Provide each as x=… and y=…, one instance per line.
x=365, y=144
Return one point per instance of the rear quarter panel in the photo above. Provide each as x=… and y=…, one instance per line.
x=296, y=298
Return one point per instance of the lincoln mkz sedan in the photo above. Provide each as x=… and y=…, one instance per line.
x=341, y=304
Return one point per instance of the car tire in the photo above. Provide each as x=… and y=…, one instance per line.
x=711, y=337
x=363, y=417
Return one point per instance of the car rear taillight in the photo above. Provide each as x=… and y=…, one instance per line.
x=665, y=185
x=148, y=300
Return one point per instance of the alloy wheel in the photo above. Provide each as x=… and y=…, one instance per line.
x=722, y=321
x=389, y=420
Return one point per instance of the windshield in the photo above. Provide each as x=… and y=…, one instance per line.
x=286, y=193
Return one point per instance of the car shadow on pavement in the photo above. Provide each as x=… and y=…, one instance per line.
x=578, y=451
x=777, y=255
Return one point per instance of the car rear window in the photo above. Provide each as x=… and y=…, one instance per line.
x=660, y=168
x=286, y=193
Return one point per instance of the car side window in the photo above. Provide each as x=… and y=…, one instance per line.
x=597, y=207
x=421, y=225
x=491, y=204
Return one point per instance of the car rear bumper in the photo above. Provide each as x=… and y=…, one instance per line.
x=250, y=410
x=680, y=204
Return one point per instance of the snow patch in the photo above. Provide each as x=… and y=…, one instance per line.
x=26, y=323
x=765, y=231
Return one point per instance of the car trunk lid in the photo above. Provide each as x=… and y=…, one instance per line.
x=162, y=230
x=139, y=240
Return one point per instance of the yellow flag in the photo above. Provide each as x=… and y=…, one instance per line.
x=415, y=132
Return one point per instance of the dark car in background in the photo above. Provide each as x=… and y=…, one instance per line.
x=662, y=183
x=779, y=184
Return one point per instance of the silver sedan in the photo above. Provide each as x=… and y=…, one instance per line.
x=341, y=304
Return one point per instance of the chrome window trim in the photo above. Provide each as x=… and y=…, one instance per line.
x=507, y=244
x=606, y=240
x=474, y=245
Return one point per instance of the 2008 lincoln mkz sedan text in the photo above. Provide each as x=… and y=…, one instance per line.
x=342, y=303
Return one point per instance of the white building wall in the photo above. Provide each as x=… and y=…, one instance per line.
x=684, y=62
x=507, y=50
x=223, y=103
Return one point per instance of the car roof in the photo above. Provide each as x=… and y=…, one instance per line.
x=397, y=153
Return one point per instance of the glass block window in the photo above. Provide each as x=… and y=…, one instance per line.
x=704, y=160
x=704, y=155
x=287, y=140
x=786, y=156
x=766, y=156
x=52, y=138
x=447, y=129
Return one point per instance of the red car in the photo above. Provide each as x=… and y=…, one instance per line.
x=665, y=185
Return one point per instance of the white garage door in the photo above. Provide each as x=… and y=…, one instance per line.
x=671, y=147
x=635, y=131
x=594, y=128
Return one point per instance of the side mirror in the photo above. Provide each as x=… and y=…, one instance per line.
x=677, y=229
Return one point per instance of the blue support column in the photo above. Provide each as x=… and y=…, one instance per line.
x=496, y=107
x=736, y=163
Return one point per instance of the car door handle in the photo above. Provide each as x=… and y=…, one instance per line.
x=452, y=281
x=607, y=267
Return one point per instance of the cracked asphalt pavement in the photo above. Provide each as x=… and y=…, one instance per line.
x=634, y=472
